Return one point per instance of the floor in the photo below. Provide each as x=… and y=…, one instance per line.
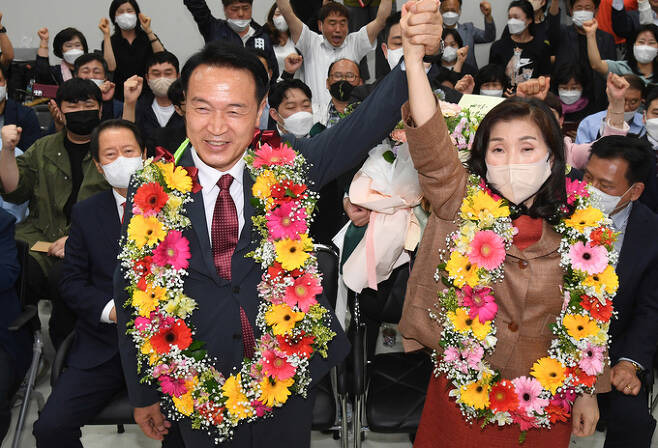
x=107, y=436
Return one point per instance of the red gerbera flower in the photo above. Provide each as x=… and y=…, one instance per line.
x=593, y=305
x=557, y=413
x=150, y=198
x=503, y=397
x=212, y=411
x=177, y=334
x=301, y=345
x=581, y=377
x=287, y=191
x=143, y=266
x=274, y=270
x=602, y=236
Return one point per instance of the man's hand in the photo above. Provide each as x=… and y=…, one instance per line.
x=57, y=248
x=11, y=135
x=584, y=415
x=151, y=421
x=624, y=378
x=485, y=9
x=113, y=314
x=293, y=62
x=104, y=26
x=56, y=113
x=465, y=85
x=43, y=34
x=616, y=88
x=107, y=89
x=536, y=87
x=358, y=215
x=423, y=25
x=132, y=88
x=145, y=21
x=590, y=27
x=462, y=53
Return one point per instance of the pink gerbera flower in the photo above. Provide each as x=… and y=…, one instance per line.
x=524, y=421
x=260, y=408
x=277, y=366
x=564, y=400
x=303, y=292
x=480, y=303
x=576, y=188
x=173, y=387
x=283, y=222
x=174, y=251
x=266, y=155
x=487, y=250
x=142, y=324
x=528, y=390
x=473, y=355
x=587, y=258
x=591, y=360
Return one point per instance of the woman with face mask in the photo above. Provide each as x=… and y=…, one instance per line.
x=68, y=45
x=491, y=81
x=132, y=44
x=568, y=82
x=518, y=154
x=455, y=54
x=277, y=28
x=641, y=51
x=520, y=34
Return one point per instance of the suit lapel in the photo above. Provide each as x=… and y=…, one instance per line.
x=240, y=266
x=108, y=219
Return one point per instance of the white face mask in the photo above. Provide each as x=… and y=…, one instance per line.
x=299, y=123
x=651, y=125
x=607, y=203
x=518, y=182
x=3, y=93
x=629, y=116
x=449, y=54
x=118, y=172
x=71, y=55
x=492, y=92
x=569, y=97
x=516, y=26
x=280, y=23
x=580, y=17
x=644, y=53
x=238, y=25
x=160, y=86
x=98, y=82
x=393, y=56
x=450, y=18
x=127, y=21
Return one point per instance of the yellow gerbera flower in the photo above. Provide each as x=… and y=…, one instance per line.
x=282, y=318
x=461, y=270
x=275, y=392
x=583, y=218
x=146, y=301
x=143, y=230
x=463, y=324
x=475, y=394
x=237, y=403
x=606, y=280
x=290, y=253
x=173, y=203
x=184, y=403
x=483, y=207
x=176, y=177
x=580, y=327
x=549, y=372
x=147, y=349
x=307, y=241
x=262, y=188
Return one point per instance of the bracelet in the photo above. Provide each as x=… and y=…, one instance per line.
x=154, y=40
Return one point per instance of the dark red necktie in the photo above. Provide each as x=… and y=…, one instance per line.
x=123, y=205
x=224, y=231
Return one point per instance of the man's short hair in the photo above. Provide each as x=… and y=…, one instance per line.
x=638, y=154
x=260, y=54
x=225, y=55
x=86, y=59
x=76, y=89
x=230, y=2
x=333, y=8
x=393, y=19
x=66, y=35
x=572, y=2
x=117, y=123
x=651, y=97
x=162, y=57
x=331, y=66
x=279, y=90
x=176, y=94
x=635, y=83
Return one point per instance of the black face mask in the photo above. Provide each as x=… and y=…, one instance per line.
x=82, y=122
x=341, y=90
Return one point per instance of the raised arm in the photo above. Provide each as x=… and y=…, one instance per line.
x=156, y=44
x=488, y=34
x=202, y=16
x=108, y=51
x=6, y=48
x=42, y=64
x=377, y=25
x=593, y=54
x=295, y=26
x=132, y=88
x=623, y=24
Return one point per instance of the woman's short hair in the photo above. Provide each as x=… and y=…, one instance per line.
x=66, y=35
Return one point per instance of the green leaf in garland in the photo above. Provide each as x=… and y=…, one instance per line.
x=389, y=156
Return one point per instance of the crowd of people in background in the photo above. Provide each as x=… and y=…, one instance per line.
x=593, y=63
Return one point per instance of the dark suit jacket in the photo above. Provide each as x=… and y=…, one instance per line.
x=148, y=123
x=329, y=154
x=86, y=278
x=26, y=118
x=635, y=332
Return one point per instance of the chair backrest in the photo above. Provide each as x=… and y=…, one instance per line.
x=23, y=251
x=328, y=266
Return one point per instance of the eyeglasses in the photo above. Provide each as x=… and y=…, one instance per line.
x=344, y=76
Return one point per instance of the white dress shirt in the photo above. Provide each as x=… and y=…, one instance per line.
x=105, y=314
x=208, y=178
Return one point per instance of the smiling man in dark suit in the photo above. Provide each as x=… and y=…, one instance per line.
x=618, y=168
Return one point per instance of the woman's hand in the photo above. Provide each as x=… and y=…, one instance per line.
x=145, y=21
x=535, y=87
x=104, y=26
x=584, y=415
x=44, y=35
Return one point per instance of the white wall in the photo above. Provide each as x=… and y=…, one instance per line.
x=171, y=20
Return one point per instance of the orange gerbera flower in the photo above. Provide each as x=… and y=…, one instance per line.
x=596, y=310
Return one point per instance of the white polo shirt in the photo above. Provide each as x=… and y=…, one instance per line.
x=319, y=54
